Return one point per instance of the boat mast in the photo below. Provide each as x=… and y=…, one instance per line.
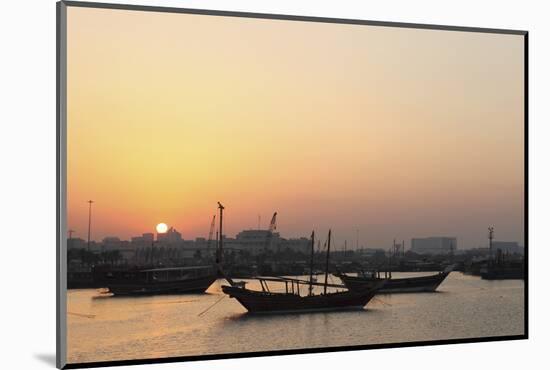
x=210, y=234
x=326, y=266
x=311, y=263
x=219, y=253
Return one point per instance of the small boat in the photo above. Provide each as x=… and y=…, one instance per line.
x=501, y=266
x=398, y=285
x=266, y=301
x=169, y=280
x=503, y=271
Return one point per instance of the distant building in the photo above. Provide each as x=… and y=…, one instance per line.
x=256, y=241
x=127, y=251
x=302, y=245
x=203, y=241
x=95, y=247
x=76, y=243
x=110, y=243
x=172, y=236
x=434, y=245
x=259, y=241
x=145, y=240
x=507, y=247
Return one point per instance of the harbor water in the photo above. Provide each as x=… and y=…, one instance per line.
x=106, y=328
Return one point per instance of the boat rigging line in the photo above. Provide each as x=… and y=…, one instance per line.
x=212, y=305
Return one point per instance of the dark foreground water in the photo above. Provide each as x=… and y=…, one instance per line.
x=107, y=328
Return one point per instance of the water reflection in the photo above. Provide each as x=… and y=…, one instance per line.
x=103, y=328
x=286, y=315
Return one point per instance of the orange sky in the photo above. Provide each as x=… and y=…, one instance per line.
x=395, y=132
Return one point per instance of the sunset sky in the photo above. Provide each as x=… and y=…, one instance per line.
x=395, y=132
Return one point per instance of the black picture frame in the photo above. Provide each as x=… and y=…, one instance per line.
x=61, y=230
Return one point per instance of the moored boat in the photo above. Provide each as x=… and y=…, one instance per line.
x=502, y=266
x=266, y=301
x=415, y=284
x=275, y=302
x=502, y=271
x=169, y=280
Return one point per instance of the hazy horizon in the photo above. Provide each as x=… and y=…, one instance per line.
x=395, y=132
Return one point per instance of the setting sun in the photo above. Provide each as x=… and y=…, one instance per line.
x=162, y=228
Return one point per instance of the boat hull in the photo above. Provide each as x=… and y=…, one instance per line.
x=197, y=285
x=402, y=285
x=266, y=302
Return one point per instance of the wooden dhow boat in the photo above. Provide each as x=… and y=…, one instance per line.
x=266, y=301
x=169, y=280
x=415, y=284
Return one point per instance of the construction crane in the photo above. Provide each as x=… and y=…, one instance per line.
x=273, y=223
x=210, y=234
x=272, y=228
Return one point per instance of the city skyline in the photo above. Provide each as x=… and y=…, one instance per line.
x=343, y=244
x=324, y=124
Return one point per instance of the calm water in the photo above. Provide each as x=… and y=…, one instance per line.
x=106, y=328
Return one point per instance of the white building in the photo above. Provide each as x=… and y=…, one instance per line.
x=257, y=241
x=434, y=245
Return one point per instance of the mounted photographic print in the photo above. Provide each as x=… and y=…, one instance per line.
x=236, y=184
